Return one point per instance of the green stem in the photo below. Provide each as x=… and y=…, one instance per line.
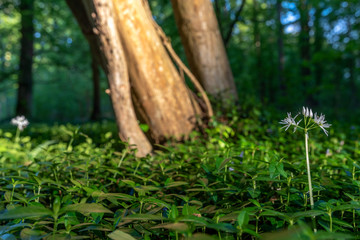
x=308, y=170
x=309, y=177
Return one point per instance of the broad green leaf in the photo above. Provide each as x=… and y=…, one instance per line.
x=333, y=235
x=175, y=184
x=119, y=235
x=158, y=202
x=85, y=208
x=181, y=227
x=346, y=207
x=310, y=213
x=143, y=217
x=26, y=212
x=243, y=218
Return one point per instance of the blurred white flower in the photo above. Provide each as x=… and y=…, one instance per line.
x=20, y=121
x=320, y=121
x=290, y=121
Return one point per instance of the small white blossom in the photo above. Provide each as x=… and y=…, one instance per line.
x=20, y=121
x=320, y=121
x=307, y=112
x=290, y=121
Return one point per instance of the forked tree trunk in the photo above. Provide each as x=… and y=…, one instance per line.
x=165, y=102
x=97, y=21
x=204, y=47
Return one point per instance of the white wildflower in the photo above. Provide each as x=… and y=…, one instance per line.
x=290, y=121
x=20, y=121
x=307, y=112
x=320, y=121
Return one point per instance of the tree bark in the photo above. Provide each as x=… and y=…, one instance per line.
x=204, y=46
x=305, y=51
x=25, y=80
x=263, y=85
x=97, y=21
x=280, y=43
x=96, y=111
x=167, y=106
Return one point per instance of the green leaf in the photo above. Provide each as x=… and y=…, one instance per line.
x=332, y=235
x=143, y=217
x=26, y=212
x=181, y=227
x=85, y=208
x=119, y=235
x=243, y=218
x=346, y=207
x=158, y=202
x=175, y=184
x=310, y=213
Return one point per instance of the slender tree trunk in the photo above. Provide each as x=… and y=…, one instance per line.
x=257, y=43
x=97, y=21
x=96, y=111
x=305, y=51
x=318, y=44
x=204, y=46
x=25, y=90
x=167, y=105
x=280, y=43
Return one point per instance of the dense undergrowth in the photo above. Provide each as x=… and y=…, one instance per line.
x=242, y=179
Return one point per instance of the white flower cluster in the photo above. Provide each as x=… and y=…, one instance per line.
x=311, y=120
x=290, y=121
x=20, y=121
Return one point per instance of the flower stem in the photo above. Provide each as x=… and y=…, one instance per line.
x=309, y=177
x=308, y=170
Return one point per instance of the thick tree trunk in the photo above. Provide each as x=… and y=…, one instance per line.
x=167, y=106
x=97, y=21
x=24, y=97
x=204, y=46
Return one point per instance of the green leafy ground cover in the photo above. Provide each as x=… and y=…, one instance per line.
x=245, y=179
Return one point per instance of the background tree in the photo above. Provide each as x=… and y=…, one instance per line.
x=25, y=89
x=204, y=47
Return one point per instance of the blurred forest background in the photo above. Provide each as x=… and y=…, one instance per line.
x=283, y=54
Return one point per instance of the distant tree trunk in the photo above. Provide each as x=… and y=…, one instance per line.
x=305, y=51
x=280, y=43
x=204, y=46
x=96, y=111
x=257, y=43
x=25, y=80
x=97, y=21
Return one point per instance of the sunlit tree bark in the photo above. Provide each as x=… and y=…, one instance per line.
x=25, y=79
x=280, y=43
x=97, y=21
x=204, y=47
x=164, y=101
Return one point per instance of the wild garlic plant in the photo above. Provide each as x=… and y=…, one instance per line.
x=311, y=121
x=21, y=122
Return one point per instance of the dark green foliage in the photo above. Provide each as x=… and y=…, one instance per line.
x=240, y=181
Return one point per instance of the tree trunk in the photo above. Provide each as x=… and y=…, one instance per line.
x=167, y=106
x=280, y=43
x=258, y=54
x=305, y=54
x=24, y=97
x=96, y=111
x=204, y=46
x=97, y=21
